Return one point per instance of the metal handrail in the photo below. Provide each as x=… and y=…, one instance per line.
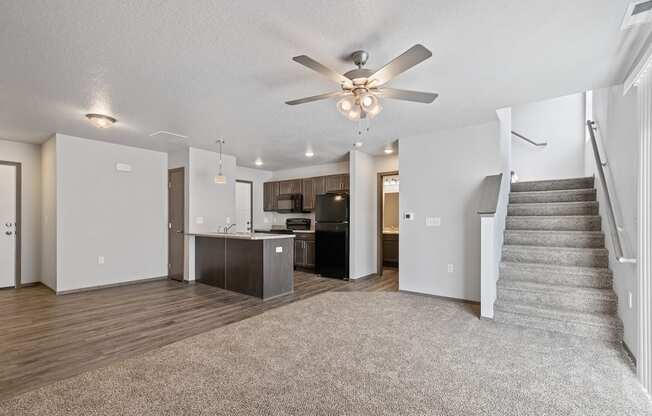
x=615, y=234
x=520, y=136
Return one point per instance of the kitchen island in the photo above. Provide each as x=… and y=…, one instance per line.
x=255, y=264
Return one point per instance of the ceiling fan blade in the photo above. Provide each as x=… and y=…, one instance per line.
x=324, y=70
x=413, y=56
x=407, y=95
x=316, y=98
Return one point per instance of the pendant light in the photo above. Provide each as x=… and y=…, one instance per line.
x=220, y=179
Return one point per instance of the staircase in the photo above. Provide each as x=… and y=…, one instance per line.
x=554, y=273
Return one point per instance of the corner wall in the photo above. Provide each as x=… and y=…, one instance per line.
x=49, y=213
x=121, y=216
x=441, y=174
x=363, y=225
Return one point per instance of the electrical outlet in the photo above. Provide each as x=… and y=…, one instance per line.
x=433, y=221
x=100, y=259
x=451, y=268
x=630, y=300
x=199, y=220
x=228, y=220
x=279, y=249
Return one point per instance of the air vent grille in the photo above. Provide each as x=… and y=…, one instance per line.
x=642, y=7
x=638, y=12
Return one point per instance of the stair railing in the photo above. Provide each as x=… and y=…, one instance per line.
x=532, y=142
x=616, y=238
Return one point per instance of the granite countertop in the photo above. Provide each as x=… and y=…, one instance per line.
x=244, y=236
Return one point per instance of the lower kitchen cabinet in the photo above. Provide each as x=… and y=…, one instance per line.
x=304, y=251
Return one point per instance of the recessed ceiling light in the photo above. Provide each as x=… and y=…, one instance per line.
x=389, y=150
x=258, y=162
x=309, y=153
x=357, y=144
x=100, y=120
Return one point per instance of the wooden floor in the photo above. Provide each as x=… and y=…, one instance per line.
x=44, y=337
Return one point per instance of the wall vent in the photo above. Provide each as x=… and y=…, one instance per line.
x=638, y=12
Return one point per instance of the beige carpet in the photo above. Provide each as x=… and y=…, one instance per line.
x=356, y=354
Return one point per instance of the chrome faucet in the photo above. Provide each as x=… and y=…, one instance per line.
x=228, y=227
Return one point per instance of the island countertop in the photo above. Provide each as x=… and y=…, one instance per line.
x=243, y=236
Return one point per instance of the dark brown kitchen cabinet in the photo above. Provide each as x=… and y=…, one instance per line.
x=270, y=196
x=304, y=251
x=390, y=249
x=308, y=191
x=335, y=183
x=290, y=187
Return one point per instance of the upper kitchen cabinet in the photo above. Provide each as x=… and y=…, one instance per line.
x=290, y=187
x=336, y=183
x=270, y=195
x=311, y=187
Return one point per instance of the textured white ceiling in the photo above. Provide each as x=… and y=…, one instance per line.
x=208, y=69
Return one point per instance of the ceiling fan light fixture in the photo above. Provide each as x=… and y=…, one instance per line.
x=368, y=101
x=374, y=111
x=346, y=104
x=355, y=113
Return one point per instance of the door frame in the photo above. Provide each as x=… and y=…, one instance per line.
x=251, y=201
x=379, y=244
x=19, y=231
x=183, y=259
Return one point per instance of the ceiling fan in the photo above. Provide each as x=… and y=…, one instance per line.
x=362, y=87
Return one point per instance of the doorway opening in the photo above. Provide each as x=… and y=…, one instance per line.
x=10, y=224
x=388, y=220
x=176, y=223
x=244, y=194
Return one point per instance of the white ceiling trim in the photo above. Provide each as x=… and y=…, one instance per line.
x=640, y=69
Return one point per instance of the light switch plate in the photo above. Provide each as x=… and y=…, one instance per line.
x=451, y=268
x=279, y=249
x=199, y=220
x=100, y=259
x=433, y=221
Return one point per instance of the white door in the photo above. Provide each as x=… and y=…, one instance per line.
x=7, y=226
x=243, y=207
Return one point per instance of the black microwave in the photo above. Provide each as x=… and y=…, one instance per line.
x=290, y=203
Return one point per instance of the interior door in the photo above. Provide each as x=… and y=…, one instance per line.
x=243, y=205
x=8, y=174
x=176, y=220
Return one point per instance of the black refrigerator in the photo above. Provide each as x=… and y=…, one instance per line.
x=332, y=235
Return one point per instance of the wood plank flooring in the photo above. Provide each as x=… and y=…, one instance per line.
x=44, y=337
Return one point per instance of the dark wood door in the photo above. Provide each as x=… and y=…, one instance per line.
x=176, y=215
x=270, y=196
x=290, y=187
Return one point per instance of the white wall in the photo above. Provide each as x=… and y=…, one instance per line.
x=363, y=226
x=102, y=212
x=210, y=203
x=616, y=117
x=560, y=122
x=49, y=214
x=29, y=156
x=441, y=174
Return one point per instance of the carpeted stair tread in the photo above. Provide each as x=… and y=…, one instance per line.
x=588, y=300
x=573, y=276
x=572, y=195
x=592, y=325
x=553, y=208
x=553, y=184
x=555, y=238
x=565, y=256
x=558, y=223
